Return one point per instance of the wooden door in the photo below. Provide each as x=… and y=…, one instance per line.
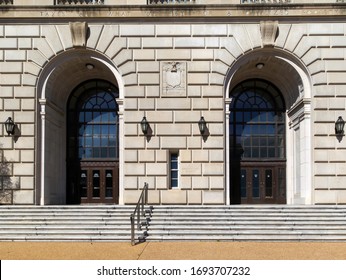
x=98, y=182
x=262, y=184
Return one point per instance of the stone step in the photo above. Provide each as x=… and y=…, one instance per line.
x=252, y=238
x=65, y=223
x=112, y=223
x=257, y=223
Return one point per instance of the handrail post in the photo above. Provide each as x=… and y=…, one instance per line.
x=138, y=219
x=146, y=193
x=138, y=212
x=132, y=218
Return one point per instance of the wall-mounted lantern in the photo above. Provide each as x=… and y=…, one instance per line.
x=202, y=125
x=339, y=126
x=10, y=126
x=144, y=126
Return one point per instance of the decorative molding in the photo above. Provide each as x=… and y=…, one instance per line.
x=267, y=1
x=173, y=78
x=6, y=2
x=80, y=2
x=79, y=32
x=170, y=2
x=269, y=32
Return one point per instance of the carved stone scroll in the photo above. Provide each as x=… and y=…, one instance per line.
x=269, y=32
x=79, y=32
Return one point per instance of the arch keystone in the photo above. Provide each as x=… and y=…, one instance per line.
x=269, y=32
x=79, y=32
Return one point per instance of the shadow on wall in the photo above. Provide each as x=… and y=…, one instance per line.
x=6, y=180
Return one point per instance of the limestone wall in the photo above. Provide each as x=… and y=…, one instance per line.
x=204, y=54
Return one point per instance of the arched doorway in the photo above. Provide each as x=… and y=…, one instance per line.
x=93, y=143
x=257, y=143
x=57, y=81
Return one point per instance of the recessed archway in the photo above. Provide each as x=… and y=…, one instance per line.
x=290, y=76
x=57, y=81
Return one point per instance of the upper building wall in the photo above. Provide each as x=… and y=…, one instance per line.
x=159, y=2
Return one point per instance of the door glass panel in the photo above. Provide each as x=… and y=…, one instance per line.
x=109, y=183
x=282, y=179
x=243, y=183
x=255, y=183
x=269, y=183
x=84, y=183
x=96, y=183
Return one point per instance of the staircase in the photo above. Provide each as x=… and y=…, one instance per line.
x=174, y=223
x=248, y=223
x=65, y=223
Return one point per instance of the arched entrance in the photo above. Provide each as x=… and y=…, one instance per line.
x=257, y=143
x=291, y=79
x=93, y=144
x=70, y=73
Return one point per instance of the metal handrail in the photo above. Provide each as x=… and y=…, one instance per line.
x=139, y=212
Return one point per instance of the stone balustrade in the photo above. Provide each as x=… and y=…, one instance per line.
x=161, y=2
x=171, y=1
x=6, y=2
x=79, y=2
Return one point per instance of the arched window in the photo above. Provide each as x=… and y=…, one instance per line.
x=257, y=121
x=93, y=104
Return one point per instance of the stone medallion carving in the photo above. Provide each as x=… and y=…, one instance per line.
x=173, y=78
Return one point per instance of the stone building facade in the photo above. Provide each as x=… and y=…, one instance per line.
x=77, y=77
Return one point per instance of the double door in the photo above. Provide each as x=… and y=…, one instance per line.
x=98, y=182
x=263, y=183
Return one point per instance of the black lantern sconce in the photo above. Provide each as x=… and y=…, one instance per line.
x=202, y=125
x=10, y=126
x=144, y=126
x=339, y=128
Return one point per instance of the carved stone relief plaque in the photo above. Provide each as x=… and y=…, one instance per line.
x=173, y=78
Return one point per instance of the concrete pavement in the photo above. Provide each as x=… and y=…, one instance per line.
x=173, y=251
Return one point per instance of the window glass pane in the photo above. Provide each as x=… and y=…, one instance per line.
x=97, y=107
x=112, y=153
x=97, y=129
x=263, y=152
x=88, y=117
x=267, y=120
x=88, y=131
x=174, y=164
x=83, y=183
x=174, y=170
x=271, y=152
x=112, y=130
x=104, y=153
x=96, y=183
x=255, y=152
x=239, y=117
x=268, y=183
x=88, y=141
x=97, y=141
x=247, y=116
x=96, y=152
x=88, y=153
x=104, y=140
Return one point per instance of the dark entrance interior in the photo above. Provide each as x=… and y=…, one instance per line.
x=93, y=144
x=257, y=144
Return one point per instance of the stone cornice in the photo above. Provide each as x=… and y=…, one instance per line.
x=174, y=12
